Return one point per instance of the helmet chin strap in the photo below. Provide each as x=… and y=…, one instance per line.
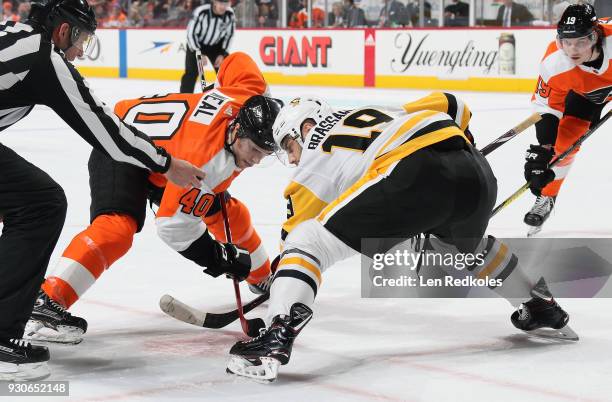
x=228, y=145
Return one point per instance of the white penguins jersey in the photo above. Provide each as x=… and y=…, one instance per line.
x=348, y=146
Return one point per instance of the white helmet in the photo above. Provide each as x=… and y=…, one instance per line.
x=291, y=117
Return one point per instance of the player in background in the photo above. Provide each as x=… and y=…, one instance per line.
x=381, y=173
x=36, y=69
x=575, y=84
x=224, y=131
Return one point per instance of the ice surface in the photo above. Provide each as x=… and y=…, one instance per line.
x=354, y=349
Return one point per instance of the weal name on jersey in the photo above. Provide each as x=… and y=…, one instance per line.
x=209, y=106
x=321, y=130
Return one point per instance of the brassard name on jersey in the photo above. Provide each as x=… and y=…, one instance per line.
x=209, y=106
x=321, y=129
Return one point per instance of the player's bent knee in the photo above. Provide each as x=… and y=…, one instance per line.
x=312, y=238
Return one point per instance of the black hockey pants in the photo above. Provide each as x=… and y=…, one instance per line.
x=33, y=207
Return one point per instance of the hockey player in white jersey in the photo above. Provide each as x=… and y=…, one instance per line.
x=379, y=173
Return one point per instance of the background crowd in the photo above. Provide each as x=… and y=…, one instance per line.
x=323, y=13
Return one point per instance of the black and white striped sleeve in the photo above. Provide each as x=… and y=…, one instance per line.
x=198, y=26
x=66, y=92
x=229, y=35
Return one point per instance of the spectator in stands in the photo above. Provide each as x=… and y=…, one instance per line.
x=354, y=16
x=267, y=15
x=413, y=12
x=7, y=10
x=512, y=14
x=293, y=6
x=160, y=12
x=134, y=15
x=23, y=10
x=116, y=18
x=336, y=16
x=558, y=9
x=300, y=18
x=100, y=10
x=393, y=14
x=179, y=12
x=457, y=14
x=246, y=12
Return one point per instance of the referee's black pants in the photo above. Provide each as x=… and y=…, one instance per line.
x=33, y=207
x=188, y=80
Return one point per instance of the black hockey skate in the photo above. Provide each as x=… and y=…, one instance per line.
x=50, y=322
x=538, y=214
x=542, y=316
x=260, y=357
x=22, y=361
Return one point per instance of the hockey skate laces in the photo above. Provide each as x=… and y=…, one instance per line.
x=22, y=343
x=541, y=205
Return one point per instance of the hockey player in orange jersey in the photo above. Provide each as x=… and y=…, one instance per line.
x=575, y=84
x=223, y=130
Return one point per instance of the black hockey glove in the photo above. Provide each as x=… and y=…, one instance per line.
x=537, y=172
x=230, y=260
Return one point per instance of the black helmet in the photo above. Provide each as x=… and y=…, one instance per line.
x=51, y=13
x=256, y=118
x=577, y=21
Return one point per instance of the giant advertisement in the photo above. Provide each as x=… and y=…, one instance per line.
x=313, y=57
x=452, y=59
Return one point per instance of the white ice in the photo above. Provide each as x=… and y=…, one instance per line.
x=354, y=349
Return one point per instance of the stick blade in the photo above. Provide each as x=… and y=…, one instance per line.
x=182, y=312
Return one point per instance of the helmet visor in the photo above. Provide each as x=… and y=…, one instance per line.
x=581, y=43
x=83, y=40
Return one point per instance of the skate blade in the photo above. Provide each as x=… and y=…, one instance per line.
x=37, y=333
x=564, y=334
x=24, y=372
x=534, y=230
x=264, y=373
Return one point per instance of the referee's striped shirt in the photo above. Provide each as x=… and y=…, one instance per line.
x=207, y=29
x=33, y=73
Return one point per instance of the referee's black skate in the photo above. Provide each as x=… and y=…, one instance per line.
x=50, y=322
x=539, y=213
x=260, y=357
x=544, y=318
x=22, y=361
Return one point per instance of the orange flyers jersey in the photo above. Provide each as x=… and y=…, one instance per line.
x=193, y=127
x=559, y=75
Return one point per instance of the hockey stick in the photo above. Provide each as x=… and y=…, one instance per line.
x=183, y=312
x=249, y=327
x=510, y=134
x=558, y=159
x=200, y=61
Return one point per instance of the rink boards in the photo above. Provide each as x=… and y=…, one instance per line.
x=451, y=59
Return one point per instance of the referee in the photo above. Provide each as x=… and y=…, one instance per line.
x=210, y=31
x=35, y=69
